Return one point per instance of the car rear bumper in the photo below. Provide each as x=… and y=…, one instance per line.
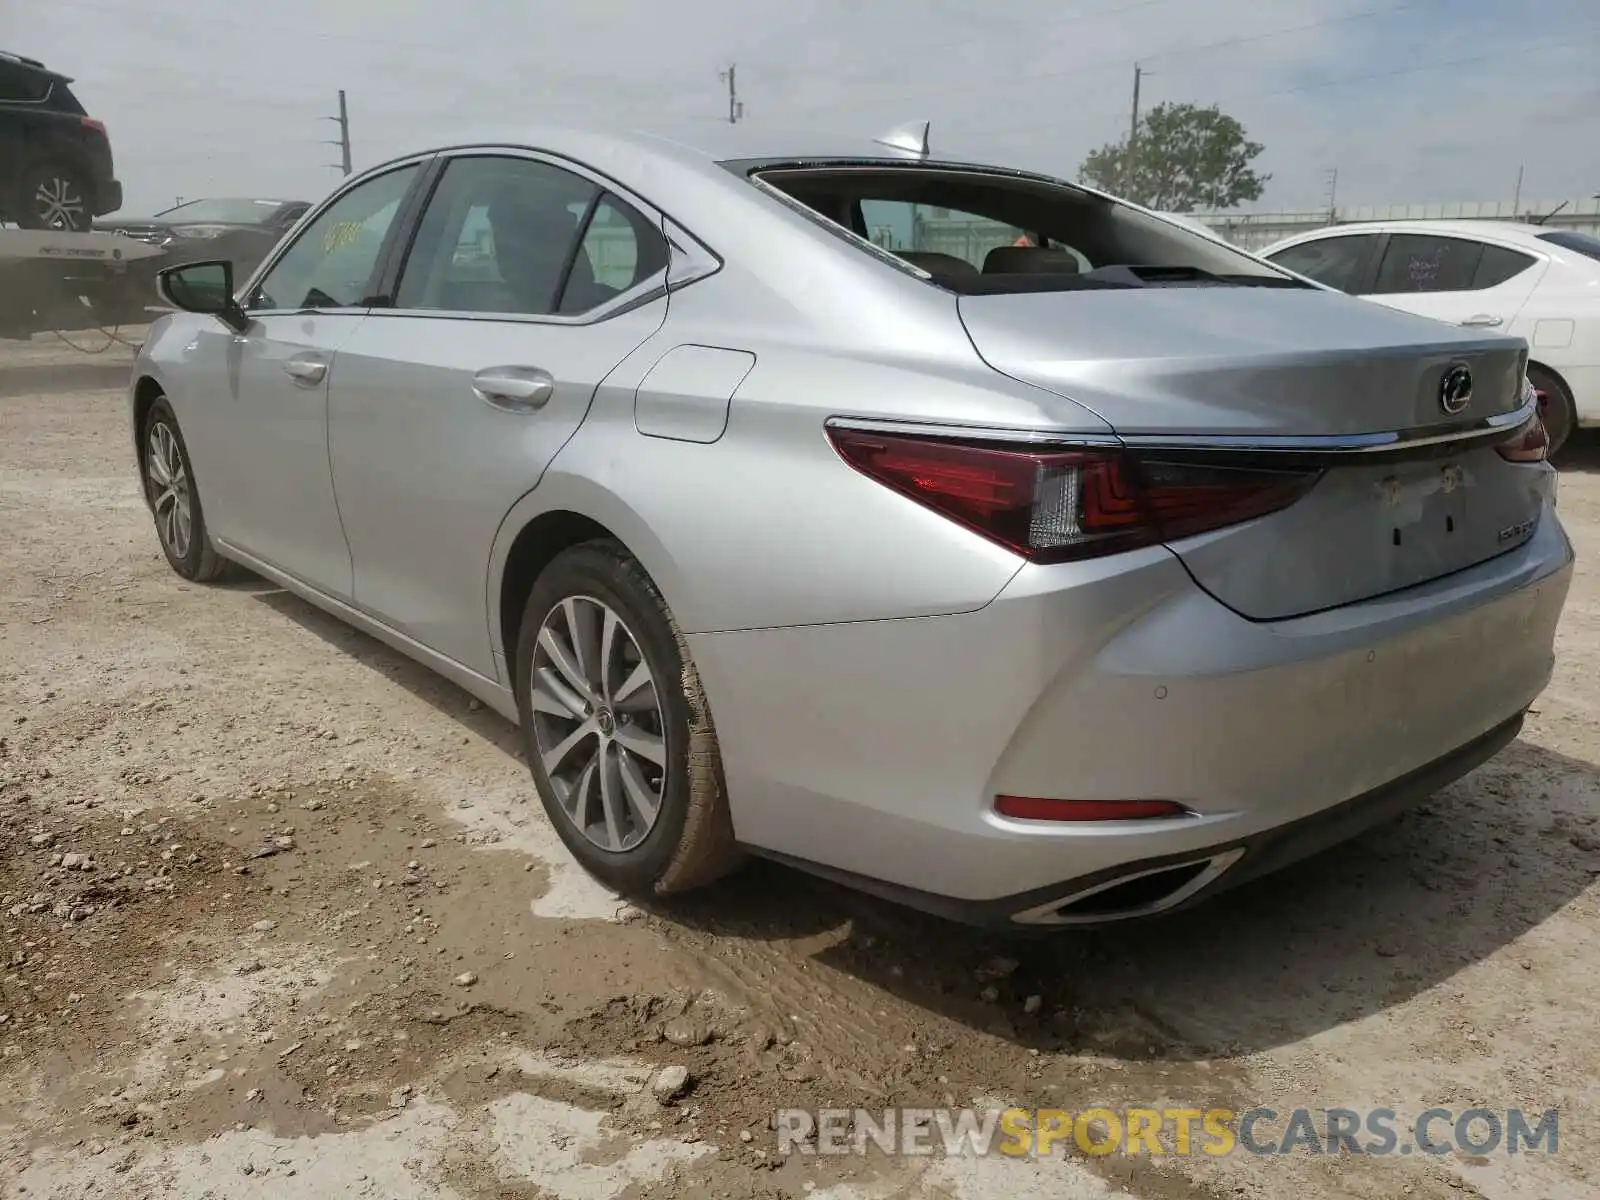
x=1172, y=882
x=874, y=750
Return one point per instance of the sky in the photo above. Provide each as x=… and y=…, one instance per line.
x=1426, y=100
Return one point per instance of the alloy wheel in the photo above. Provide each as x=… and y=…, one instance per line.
x=59, y=204
x=170, y=496
x=598, y=726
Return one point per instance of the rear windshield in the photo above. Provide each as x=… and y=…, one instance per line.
x=1578, y=243
x=984, y=232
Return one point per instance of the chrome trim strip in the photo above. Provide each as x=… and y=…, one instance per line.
x=1050, y=914
x=1337, y=443
x=992, y=433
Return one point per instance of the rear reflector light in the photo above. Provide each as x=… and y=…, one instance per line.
x=1031, y=808
x=1531, y=443
x=1052, y=505
x=91, y=123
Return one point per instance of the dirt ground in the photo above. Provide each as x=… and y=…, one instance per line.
x=280, y=916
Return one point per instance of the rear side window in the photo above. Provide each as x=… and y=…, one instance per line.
x=1336, y=262
x=1416, y=262
x=19, y=85
x=1570, y=239
x=1499, y=265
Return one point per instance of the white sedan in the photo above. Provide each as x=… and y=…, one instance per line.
x=1542, y=285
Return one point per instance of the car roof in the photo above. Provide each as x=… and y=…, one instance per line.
x=704, y=143
x=1505, y=231
x=33, y=64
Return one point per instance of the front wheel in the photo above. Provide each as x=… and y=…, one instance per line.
x=618, y=733
x=174, y=500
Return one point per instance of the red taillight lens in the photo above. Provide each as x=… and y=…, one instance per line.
x=1531, y=443
x=1056, y=505
x=1032, y=808
x=91, y=123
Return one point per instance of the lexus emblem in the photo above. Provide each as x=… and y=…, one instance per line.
x=1455, y=389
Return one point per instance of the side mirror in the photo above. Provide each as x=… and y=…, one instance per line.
x=203, y=287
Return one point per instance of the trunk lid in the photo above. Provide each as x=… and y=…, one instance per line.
x=1241, y=360
x=1260, y=365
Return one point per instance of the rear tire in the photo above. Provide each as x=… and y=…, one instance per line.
x=617, y=729
x=1559, y=413
x=174, y=500
x=54, y=196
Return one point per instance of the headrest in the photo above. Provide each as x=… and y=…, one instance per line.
x=1029, y=260
x=937, y=264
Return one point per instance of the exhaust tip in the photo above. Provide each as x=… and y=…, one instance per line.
x=1136, y=894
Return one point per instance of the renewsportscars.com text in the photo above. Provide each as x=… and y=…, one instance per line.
x=1039, y=1132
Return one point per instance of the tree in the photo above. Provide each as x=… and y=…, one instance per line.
x=1185, y=158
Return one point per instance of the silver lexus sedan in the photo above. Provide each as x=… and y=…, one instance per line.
x=959, y=533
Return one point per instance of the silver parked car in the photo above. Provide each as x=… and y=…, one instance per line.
x=959, y=533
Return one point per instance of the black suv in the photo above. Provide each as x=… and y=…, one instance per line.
x=55, y=159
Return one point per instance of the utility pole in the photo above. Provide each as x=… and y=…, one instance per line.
x=1516, y=196
x=343, y=121
x=1130, y=160
x=1333, y=196
x=735, y=105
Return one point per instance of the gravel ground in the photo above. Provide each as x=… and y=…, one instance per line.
x=280, y=915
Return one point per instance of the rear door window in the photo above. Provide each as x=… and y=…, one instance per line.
x=498, y=237
x=1420, y=262
x=1336, y=262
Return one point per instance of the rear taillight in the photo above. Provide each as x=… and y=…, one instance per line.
x=91, y=123
x=1531, y=443
x=1053, y=505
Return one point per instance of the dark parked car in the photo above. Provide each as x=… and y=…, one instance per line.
x=240, y=231
x=55, y=159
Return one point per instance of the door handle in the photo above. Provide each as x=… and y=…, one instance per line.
x=1482, y=321
x=514, y=389
x=306, y=371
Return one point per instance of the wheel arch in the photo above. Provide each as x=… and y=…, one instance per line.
x=563, y=511
x=1553, y=372
x=147, y=390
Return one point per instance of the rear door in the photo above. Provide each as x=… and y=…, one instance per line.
x=1455, y=279
x=526, y=284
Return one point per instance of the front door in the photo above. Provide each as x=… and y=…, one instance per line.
x=526, y=284
x=276, y=492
